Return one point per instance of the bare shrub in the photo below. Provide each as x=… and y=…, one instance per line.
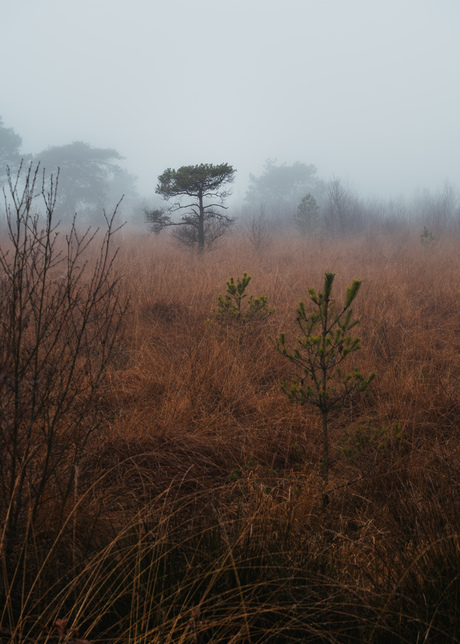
x=59, y=322
x=258, y=232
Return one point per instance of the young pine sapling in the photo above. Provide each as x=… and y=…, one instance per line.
x=230, y=307
x=427, y=238
x=324, y=344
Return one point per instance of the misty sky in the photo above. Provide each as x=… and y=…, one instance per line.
x=366, y=90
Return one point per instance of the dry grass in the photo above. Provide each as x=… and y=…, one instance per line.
x=199, y=514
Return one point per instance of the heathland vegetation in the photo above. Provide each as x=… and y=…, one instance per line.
x=157, y=483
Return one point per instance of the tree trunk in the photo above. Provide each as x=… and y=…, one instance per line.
x=201, y=224
x=324, y=414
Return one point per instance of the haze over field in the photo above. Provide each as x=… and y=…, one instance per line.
x=367, y=91
x=235, y=419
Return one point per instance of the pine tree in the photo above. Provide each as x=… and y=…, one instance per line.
x=325, y=343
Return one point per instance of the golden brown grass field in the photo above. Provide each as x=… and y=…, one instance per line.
x=195, y=513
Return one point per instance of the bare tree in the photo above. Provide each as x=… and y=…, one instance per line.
x=257, y=232
x=437, y=209
x=342, y=208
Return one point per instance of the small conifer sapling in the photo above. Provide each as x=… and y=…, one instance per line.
x=230, y=306
x=427, y=238
x=324, y=344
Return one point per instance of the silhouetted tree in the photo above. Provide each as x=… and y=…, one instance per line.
x=10, y=155
x=307, y=216
x=280, y=187
x=88, y=177
x=343, y=213
x=203, y=188
x=437, y=209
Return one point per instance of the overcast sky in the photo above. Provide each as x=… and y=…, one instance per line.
x=367, y=90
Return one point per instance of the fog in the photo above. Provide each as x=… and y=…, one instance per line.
x=366, y=91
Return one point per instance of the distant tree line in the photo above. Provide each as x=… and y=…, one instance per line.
x=281, y=198
x=294, y=194
x=286, y=196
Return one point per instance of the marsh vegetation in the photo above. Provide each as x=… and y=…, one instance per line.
x=159, y=486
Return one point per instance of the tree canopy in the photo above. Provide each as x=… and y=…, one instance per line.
x=10, y=146
x=198, y=193
x=88, y=177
